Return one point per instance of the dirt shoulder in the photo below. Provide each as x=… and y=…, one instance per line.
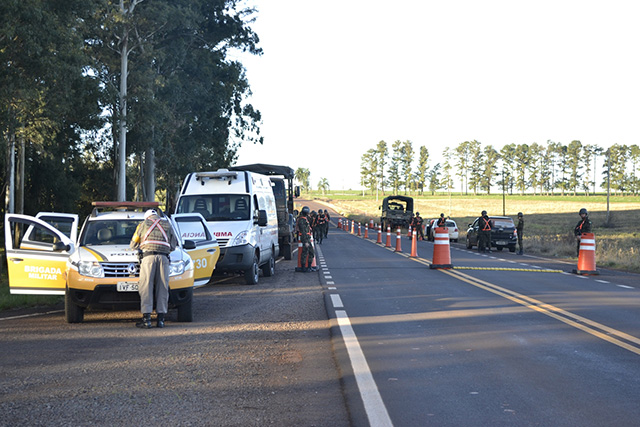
x=255, y=355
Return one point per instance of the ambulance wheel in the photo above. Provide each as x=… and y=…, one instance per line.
x=73, y=313
x=269, y=269
x=251, y=275
x=185, y=312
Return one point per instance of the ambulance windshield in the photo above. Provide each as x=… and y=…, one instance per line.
x=217, y=207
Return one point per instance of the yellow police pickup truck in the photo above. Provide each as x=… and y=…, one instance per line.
x=97, y=269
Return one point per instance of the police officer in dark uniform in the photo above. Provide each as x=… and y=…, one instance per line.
x=520, y=230
x=583, y=226
x=442, y=221
x=321, y=224
x=484, y=232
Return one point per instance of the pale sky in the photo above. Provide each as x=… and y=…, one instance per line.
x=337, y=77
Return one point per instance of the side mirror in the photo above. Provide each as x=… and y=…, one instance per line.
x=296, y=191
x=262, y=218
x=189, y=244
x=61, y=247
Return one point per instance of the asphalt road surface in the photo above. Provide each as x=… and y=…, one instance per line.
x=501, y=339
x=375, y=338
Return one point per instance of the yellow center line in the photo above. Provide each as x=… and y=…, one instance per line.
x=596, y=329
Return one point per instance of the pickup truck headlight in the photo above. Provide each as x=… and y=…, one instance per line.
x=241, y=239
x=176, y=268
x=91, y=269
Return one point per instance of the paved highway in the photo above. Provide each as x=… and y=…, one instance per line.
x=498, y=340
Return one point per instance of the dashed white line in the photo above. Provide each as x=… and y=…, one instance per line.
x=373, y=404
x=602, y=281
x=625, y=286
x=336, y=301
x=331, y=283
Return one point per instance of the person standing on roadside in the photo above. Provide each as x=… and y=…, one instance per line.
x=520, y=230
x=155, y=239
x=321, y=224
x=326, y=228
x=442, y=221
x=417, y=224
x=484, y=232
x=583, y=226
x=304, y=230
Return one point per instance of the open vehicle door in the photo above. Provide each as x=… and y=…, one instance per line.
x=203, y=247
x=37, y=255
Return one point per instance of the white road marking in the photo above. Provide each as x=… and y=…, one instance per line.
x=328, y=277
x=602, y=281
x=332, y=288
x=625, y=286
x=31, y=315
x=336, y=301
x=373, y=404
x=331, y=283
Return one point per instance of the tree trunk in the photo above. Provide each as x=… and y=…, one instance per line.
x=11, y=172
x=122, y=123
x=20, y=178
x=150, y=175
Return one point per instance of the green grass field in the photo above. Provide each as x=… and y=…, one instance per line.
x=549, y=220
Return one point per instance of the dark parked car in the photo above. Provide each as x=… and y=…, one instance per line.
x=503, y=234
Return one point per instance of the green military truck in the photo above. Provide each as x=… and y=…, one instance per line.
x=396, y=211
x=282, y=183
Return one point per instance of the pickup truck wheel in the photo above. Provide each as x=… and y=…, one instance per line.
x=251, y=275
x=73, y=313
x=269, y=269
x=185, y=312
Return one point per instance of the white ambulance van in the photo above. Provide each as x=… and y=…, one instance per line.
x=241, y=210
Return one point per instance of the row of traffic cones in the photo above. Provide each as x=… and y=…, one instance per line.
x=442, y=249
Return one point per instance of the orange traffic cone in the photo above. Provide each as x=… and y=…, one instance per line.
x=587, y=255
x=358, y=229
x=299, y=267
x=353, y=224
x=441, y=250
x=379, y=240
x=371, y=226
x=399, y=241
x=366, y=232
x=313, y=261
x=388, y=244
x=339, y=224
x=409, y=232
x=414, y=245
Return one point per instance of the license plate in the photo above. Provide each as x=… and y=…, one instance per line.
x=501, y=243
x=127, y=287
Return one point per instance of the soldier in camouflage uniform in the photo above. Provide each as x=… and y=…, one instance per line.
x=520, y=230
x=155, y=239
x=304, y=230
x=584, y=226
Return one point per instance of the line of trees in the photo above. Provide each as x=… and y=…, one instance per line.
x=105, y=99
x=548, y=169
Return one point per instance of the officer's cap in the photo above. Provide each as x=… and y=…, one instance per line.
x=149, y=213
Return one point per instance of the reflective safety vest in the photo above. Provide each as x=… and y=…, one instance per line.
x=442, y=222
x=156, y=238
x=486, y=224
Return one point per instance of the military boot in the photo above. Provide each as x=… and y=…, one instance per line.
x=160, y=322
x=145, y=323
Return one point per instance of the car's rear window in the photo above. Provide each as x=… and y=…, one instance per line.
x=504, y=223
x=451, y=224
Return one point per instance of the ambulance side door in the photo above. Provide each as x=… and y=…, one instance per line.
x=193, y=226
x=36, y=265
